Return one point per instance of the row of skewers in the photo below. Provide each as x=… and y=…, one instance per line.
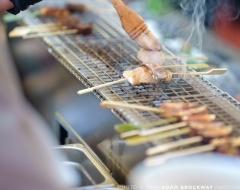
x=152, y=69
x=65, y=23
x=188, y=119
x=193, y=120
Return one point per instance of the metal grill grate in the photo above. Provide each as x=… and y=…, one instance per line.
x=103, y=56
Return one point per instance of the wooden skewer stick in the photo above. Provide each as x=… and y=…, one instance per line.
x=74, y=31
x=187, y=57
x=168, y=146
x=159, y=159
x=211, y=72
x=153, y=131
x=194, y=66
x=27, y=31
x=168, y=134
x=48, y=29
x=114, y=105
x=44, y=25
x=126, y=127
x=100, y=86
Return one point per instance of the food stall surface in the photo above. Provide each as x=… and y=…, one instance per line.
x=101, y=58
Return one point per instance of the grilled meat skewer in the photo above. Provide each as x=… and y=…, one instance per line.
x=186, y=112
x=84, y=29
x=176, y=106
x=54, y=11
x=72, y=22
x=76, y=7
x=199, y=118
x=69, y=21
x=144, y=75
x=140, y=75
x=228, y=145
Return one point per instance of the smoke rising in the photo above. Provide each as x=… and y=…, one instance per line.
x=201, y=15
x=198, y=9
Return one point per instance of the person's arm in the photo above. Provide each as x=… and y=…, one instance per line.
x=15, y=6
x=5, y=5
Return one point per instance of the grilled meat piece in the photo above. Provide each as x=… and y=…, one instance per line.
x=140, y=75
x=234, y=141
x=169, y=76
x=213, y=133
x=174, y=106
x=186, y=112
x=151, y=56
x=69, y=21
x=193, y=111
x=146, y=74
x=201, y=126
x=159, y=73
x=84, y=29
x=76, y=7
x=228, y=145
x=53, y=11
x=198, y=127
x=217, y=132
x=75, y=23
x=199, y=118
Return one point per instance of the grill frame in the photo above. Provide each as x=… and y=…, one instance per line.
x=109, y=34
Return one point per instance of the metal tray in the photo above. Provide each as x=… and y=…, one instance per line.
x=93, y=175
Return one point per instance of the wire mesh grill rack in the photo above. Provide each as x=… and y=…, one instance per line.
x=104, y=55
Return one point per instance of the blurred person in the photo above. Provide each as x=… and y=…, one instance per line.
x=27, y=160
x=15, y=6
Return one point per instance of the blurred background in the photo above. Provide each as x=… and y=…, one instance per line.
x=199, y=28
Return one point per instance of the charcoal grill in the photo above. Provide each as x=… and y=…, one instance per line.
x=104, y=55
